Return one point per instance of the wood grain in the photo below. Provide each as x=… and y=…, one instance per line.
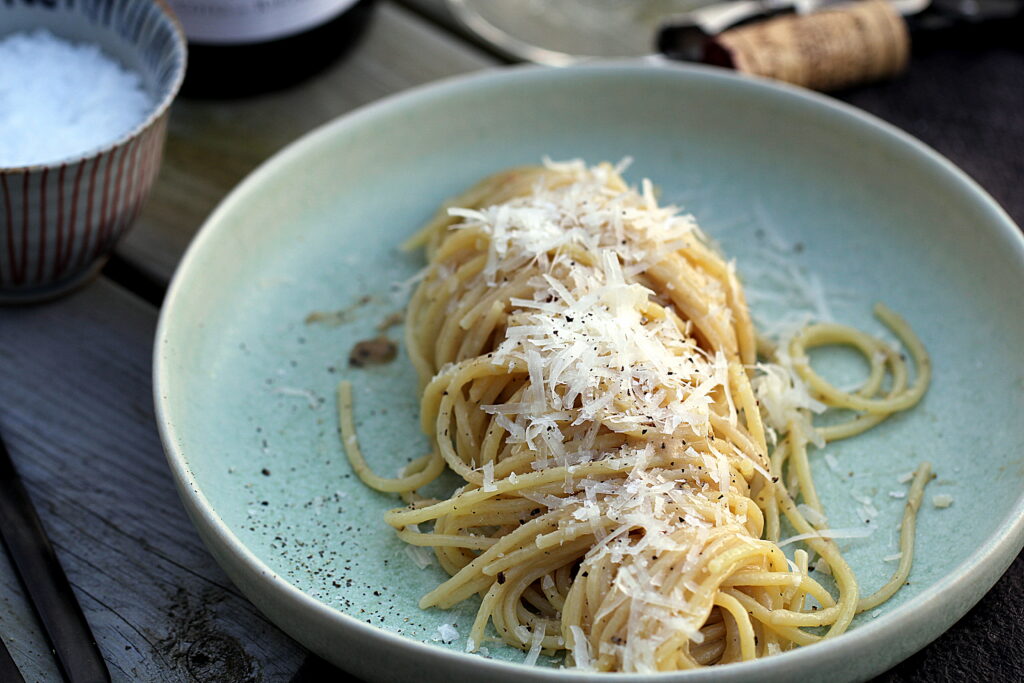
x=213, y=144
x=77, y=416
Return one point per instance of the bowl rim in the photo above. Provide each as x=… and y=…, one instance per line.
x=957, y=592
x=180, y=44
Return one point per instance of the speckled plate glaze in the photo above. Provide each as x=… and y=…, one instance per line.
x=245, y=377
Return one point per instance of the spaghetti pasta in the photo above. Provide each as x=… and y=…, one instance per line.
x=590, y=370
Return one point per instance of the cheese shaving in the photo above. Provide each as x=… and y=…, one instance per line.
x=827, y=533
x=816, y=518
x=488, y=483
x=536, y=643
x=581, y=649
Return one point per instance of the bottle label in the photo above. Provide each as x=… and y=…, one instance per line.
x=228, y=22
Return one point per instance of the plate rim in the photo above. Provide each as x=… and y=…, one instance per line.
x=959, y=590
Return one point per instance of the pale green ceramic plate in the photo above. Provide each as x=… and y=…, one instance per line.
x=245, y=384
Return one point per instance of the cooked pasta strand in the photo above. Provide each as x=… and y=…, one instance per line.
x=589, y=369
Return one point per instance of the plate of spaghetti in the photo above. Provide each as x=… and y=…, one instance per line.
x=648, y=372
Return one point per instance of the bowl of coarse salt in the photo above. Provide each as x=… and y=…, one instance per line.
x=85, y=89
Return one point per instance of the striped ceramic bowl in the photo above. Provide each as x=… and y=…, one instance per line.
x=60, y=221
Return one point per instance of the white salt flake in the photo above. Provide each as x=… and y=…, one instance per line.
x=60, y=99
x=447, y=633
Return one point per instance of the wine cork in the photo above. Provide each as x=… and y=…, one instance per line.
x=827, y=50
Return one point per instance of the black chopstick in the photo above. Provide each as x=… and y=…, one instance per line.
x=8, y=669
x=45, y=582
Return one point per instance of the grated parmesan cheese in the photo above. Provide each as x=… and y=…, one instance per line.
x=536, y=642
x=866, y=510
x=816, y=518
x=419, y=555
x=488, y=483
x=943, y=500
x=784, y=398
x=581, y=649
x=311, y=397
x=590, y=349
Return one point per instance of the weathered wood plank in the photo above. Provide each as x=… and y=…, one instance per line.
x=212, y=145
x=77, y=416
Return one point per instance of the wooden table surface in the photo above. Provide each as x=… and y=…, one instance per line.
x=75, y=387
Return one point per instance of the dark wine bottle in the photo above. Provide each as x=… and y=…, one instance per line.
x=247, y=47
